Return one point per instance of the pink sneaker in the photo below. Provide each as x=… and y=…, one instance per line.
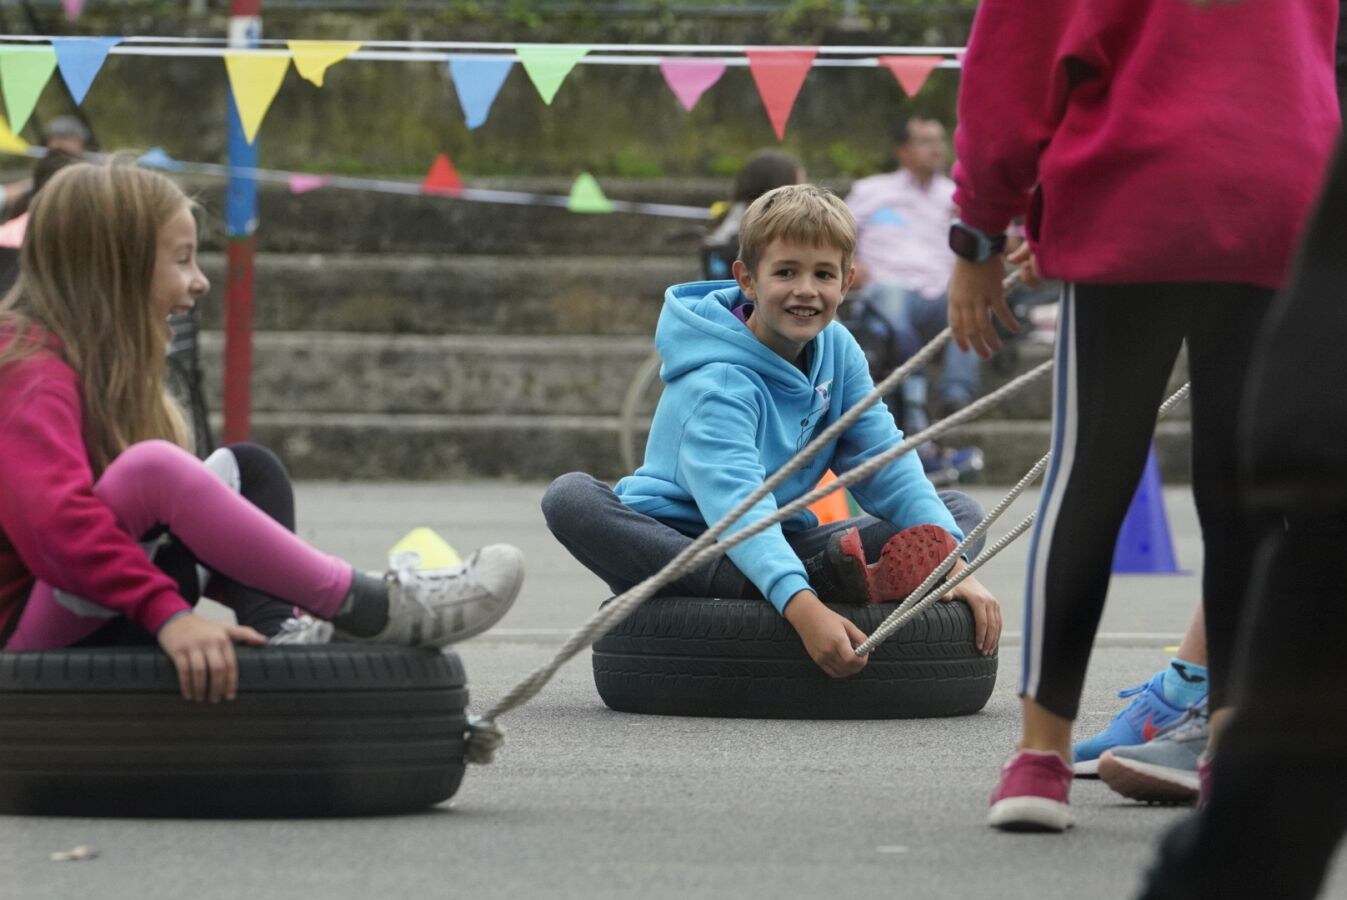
x=1203, y=780
x=904, y=562
x=1032, y=795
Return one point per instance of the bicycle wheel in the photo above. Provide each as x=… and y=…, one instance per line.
x=638, y=407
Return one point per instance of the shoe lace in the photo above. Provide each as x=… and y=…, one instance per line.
x=1188, y=724
x=300, y=629
x=420, y=586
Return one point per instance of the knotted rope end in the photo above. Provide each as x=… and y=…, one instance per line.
x=484, y=738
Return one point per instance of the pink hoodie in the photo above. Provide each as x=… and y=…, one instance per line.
x=1148, y=140
x=52, y=526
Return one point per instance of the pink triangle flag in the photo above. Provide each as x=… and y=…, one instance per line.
x=779, y=74
x=442, y=179
x=690, y=78
x=73, y=8
x=302, y=183
x=911, y=71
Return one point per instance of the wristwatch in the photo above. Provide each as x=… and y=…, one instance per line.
x=974, y=244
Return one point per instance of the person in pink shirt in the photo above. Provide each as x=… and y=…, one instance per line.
x=903, y=264
x=1165, y=153
x=94, y=460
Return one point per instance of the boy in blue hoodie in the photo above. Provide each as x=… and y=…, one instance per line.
x=754, y=369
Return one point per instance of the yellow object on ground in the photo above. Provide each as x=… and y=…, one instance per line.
x=434, y=550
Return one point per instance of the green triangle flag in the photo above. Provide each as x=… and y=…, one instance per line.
x=587, y=196
x=549, y=64
x=24, y=72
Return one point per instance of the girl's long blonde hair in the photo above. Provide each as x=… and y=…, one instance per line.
x=85, y=271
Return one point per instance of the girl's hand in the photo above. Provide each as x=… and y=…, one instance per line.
x=830, y=639
x=1023, y=256
x=986, y=610
x=975, y=295
x=203, y=652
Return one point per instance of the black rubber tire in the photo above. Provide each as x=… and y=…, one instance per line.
x=686, y=656
x=314, y=731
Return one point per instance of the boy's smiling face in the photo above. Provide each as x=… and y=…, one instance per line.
x=796, y=291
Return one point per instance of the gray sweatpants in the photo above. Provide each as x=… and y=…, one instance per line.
x=624, y=547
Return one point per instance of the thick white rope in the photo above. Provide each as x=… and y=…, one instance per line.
x=706, y=547
x=924, y=596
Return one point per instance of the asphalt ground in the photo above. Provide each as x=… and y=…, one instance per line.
x=586, y=802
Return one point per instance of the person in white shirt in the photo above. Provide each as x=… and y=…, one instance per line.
x=904, y=263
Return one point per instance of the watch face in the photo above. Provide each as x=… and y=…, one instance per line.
x=964, y=243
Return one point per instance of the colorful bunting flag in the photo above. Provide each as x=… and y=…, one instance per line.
x=255, y=78
x=548, y=65
x=312, y=58
x=587, y=196
x=477, y=82
x=911, y=71
x=301, y=183
x=442, y=178
x=9, y=141
x=690, y=78
x=80, y=59
x=24, y=72
x=779, y=74
x=73, y=9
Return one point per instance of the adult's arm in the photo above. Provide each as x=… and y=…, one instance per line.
x=1012, y=95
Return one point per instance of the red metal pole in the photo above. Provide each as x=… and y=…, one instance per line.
x=238, y=357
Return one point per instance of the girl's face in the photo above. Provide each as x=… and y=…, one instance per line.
x=177, y=280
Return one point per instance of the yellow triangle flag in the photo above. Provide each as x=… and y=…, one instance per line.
x=9, y=141
x=312, y=58
x=255, y=78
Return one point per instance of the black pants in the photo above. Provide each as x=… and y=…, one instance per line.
x=264, y=482
x=1278, y=803
x=1116, y=347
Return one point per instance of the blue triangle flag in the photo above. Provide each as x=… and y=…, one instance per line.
x=79, y=60
x=477, y=82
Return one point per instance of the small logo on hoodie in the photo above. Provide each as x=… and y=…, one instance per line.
x=825, y=393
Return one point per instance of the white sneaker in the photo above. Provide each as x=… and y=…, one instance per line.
x=435, y=607
x=303, y=629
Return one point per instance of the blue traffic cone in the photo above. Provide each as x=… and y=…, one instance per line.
x=1144, y=544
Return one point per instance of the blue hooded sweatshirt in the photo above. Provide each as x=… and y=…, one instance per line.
x=733, y=412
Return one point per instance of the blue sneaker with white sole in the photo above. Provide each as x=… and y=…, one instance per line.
x=1142, y=719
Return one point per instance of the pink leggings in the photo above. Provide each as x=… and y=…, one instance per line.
x=156, y=483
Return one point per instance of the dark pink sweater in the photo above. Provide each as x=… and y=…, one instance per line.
x=1148, y=140
x=52, y=527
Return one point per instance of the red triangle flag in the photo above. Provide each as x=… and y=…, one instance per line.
x=779, y=75
x=442, y=179
x=911, y=71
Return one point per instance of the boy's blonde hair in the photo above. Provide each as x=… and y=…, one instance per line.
x=801, y=213
x=85, y=270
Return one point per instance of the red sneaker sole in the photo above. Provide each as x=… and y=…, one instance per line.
x=905, y=562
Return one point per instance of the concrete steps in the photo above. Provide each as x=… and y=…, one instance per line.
x=417, y=446
x=421, y=337
x=342, y=405
x=452, y=293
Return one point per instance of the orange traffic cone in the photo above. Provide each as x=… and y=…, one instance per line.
x=834, y=507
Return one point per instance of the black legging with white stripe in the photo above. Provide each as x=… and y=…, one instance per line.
x=1116, y=347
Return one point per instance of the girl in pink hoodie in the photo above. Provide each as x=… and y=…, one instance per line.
x=1165, y=153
